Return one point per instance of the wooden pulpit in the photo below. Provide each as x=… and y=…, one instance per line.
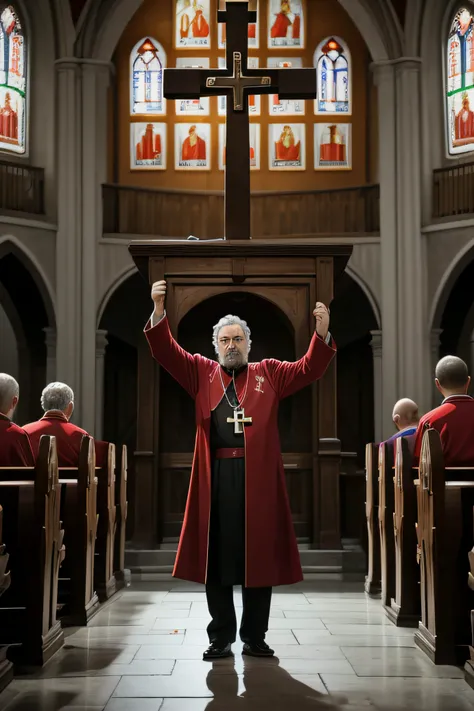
x=288, y=277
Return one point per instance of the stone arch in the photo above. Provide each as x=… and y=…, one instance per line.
x=452, y=272
x=9, y=244
x=119, y=279
x=379, y=27
x=104, y=25
x=28, y=307
x=369, y=294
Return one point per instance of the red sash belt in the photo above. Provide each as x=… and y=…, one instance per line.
x=229, y=453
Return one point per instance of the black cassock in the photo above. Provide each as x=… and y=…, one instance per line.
x=227, y=533
x=226, y=563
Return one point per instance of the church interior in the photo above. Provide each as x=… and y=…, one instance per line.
x=362, y=198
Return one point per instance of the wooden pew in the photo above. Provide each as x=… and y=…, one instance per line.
x=469, y=667
x=6, y=667
x=122, y=575
x=445, y=499
x=373, y=578
x=30, y=500
x=385, y=520
x=104, y=579
x=77, y=597
x=406, y=605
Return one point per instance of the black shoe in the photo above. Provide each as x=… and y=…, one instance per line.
x=217, y=650
x=257, y=649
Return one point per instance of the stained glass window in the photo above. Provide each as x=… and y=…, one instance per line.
x=13, y=81
x=147, y=62
x=333, y=70
x=460, y=83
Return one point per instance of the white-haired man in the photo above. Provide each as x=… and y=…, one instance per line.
x=15, y=447
x=237, y=527
x=57, y=401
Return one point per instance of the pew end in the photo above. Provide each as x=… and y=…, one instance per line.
x=78, y=600
x=373, y=577
x=445, y=498
x=385, y=521
x=469, y=667
x=30, y=497
x=104, y=578
x=6, y=667
x=123, y=575
x=405, y=607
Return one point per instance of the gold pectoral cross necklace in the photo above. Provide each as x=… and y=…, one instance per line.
x=239, y=420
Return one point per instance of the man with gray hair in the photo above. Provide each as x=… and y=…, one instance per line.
x=15, y=447
x=57, y=401
x=454, y=418
x=237, y=527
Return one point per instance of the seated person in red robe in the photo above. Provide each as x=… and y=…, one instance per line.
x=454, y=418
x=405, y=418
x=57, y=401
x=15, y=447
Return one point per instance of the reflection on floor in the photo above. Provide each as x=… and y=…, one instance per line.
x=335, y=651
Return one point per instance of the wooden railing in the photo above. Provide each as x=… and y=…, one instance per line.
x=453, y=190
x=180, y=213
x=21, y=188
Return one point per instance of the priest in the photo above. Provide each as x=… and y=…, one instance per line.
x=15, y=447
x=237, y=527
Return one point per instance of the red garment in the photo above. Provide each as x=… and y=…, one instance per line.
x=272, y=556
x=68, y=436
x=200, y=25
x=15, y=447
x=464, y=125
x=281, y=24
x=196, y=152
x=284, y=153
x=454, y=420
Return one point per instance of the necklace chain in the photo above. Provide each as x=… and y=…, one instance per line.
x=239, y=404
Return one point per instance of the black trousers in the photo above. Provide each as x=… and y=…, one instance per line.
x=256, y=611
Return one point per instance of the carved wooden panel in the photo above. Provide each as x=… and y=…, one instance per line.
x=180, y=213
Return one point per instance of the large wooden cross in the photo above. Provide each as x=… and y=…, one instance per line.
x=238, y=82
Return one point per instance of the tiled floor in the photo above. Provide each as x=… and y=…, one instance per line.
x=335, y=650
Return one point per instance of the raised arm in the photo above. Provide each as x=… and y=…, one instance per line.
x=180, y=364
x=287, y=378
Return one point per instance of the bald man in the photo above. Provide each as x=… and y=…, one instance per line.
x=405, y=418
x=454, y=418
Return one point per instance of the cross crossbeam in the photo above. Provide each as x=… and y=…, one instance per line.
x=238, y=82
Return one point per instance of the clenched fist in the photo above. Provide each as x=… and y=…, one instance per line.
x=321, y=314
x=158, y=294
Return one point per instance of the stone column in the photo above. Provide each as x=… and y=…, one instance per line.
x=51, y=342
x=100, y=346
x=95, y=80
x=68, y=240
x=82, y=151
x=435, y=339
x=384, y=76
x=405, y=337
x=376, y=345
x=413, y=340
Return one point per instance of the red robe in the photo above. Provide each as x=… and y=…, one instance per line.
x=272, y=556
x=281, y=24
x=196, y=152
x=15, y=447
x=454, y=420
x=68, y=436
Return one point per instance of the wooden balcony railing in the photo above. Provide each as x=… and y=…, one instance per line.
x=21, y=188
x=453, y=190
x=180, y=213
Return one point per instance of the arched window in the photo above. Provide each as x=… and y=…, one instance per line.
x=332, y=60
x=147, y=62
x=460, y=83
x=13, y=81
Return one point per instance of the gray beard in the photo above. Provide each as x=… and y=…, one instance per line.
x=235, y=363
